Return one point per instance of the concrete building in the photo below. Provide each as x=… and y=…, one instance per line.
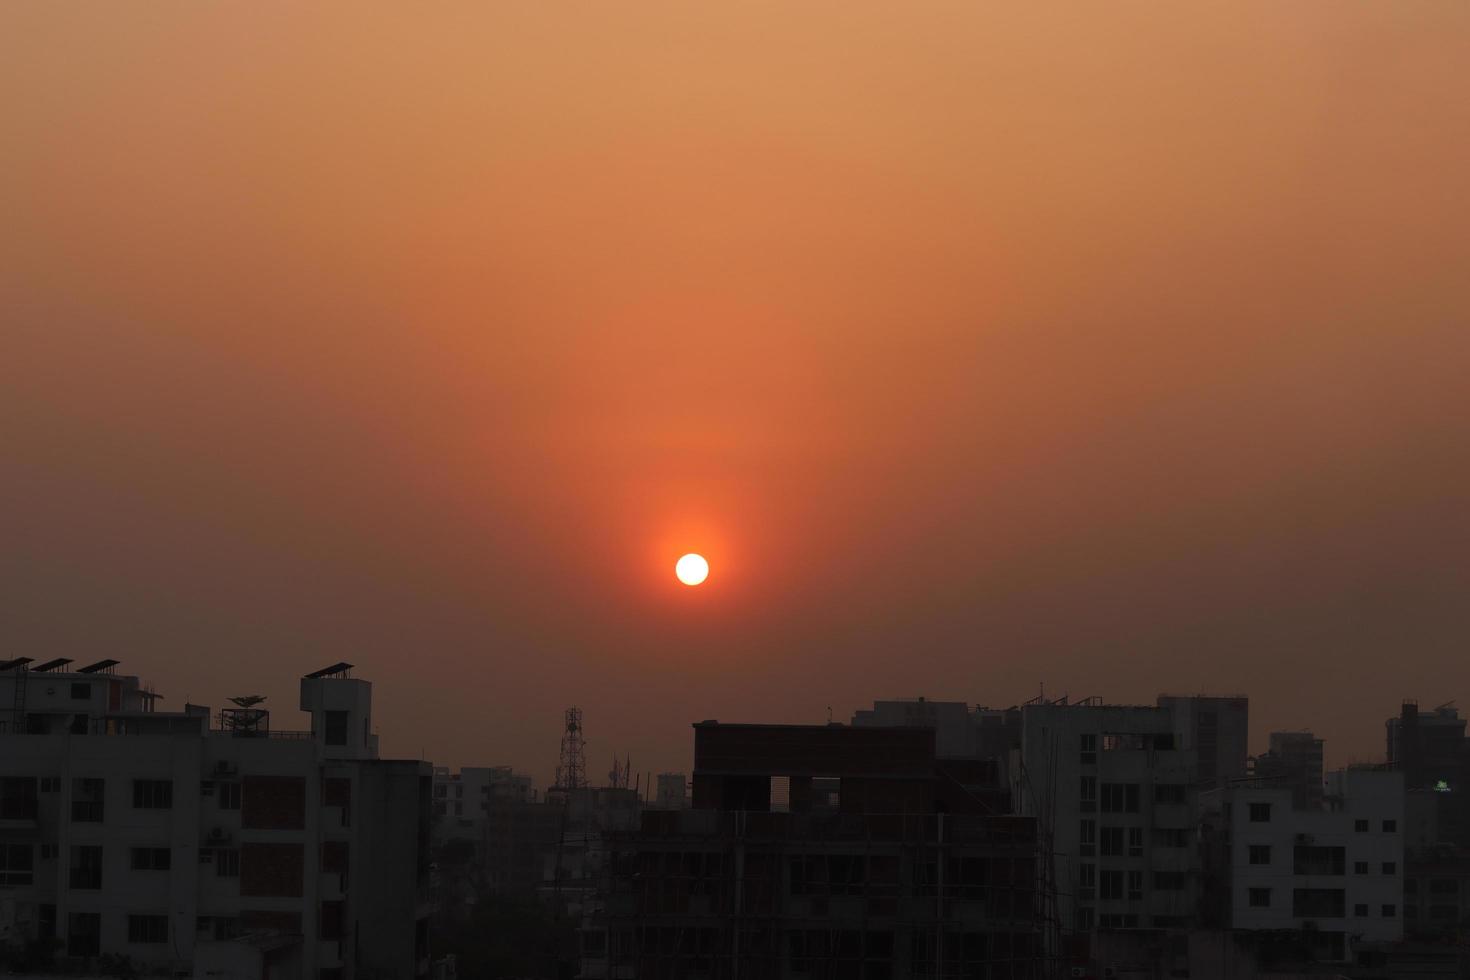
x=961, y=731
x=463, y=799
x=1334, y=873
x=210, y=844
x=1294, y=761
x=899, y=870
x=1119, y=798
x=673, y=791
x=1216, y=730
x=1431, y=750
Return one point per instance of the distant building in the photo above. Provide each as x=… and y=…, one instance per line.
x=202, y=843
x=1216, y=730
x=673, y=791
x=462, y=799
x=1335, y=874
x=1294, y=762
x=822, y=850
x=961, y=731
x=1120, y=796
x=1431, y=750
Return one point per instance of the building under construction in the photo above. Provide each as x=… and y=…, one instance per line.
x=825, y=852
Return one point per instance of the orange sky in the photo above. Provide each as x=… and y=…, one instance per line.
x=1122, y=347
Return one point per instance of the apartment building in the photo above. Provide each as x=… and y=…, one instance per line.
x=822, y=851
x=1334, y=873
x=209, y=844
x=1294, y=761
x=1119, y=797
x=1216, y=729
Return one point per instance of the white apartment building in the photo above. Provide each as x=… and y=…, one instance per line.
x=1121, y=799
x=1336, y=870
x=209, y=844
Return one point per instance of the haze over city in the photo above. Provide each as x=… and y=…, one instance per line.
x=1122, y=350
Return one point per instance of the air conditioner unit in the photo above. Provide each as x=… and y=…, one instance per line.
x=1110, y=972
x=1079, y=971
x=218, y=835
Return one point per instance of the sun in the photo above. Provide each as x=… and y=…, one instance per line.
x=692, y=569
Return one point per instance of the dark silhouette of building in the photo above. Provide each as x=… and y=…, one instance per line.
x=1294, y=761
x=907, y=866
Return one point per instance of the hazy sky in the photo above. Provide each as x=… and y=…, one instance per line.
x=1118, y=346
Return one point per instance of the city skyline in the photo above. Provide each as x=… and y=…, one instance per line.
x=1120, y=350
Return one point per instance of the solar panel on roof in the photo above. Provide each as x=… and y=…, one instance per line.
x=99, y=665
x=51, y=665
x=17, y=662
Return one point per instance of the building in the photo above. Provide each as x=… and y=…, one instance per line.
x=1335, y=874
x=673, y=791
x=1116, y=797
x=1431, y=750
x=823, y=851
x=211, y=844
x=1294, y=762
x=463, y=799
x=961, y=731
x=1216, y=730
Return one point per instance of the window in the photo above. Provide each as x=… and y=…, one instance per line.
x=50, y=784
x=1361, y=910
x=1087, y=837
x=1135, y=885
x=15, y=865
x=1318, y=903
x=81, y=691
x=1089, y=750
x=153, y=794
x=1119, y=797
x=1169, y=880
x=48, y=852
x=84, y=934
x=1260, y=854
x=1389, y=911
x=1110, y=884
x=1390, y=867
x=152, y=859
x=1135, y=841
x=1308, y=859
x=1260, y=813
x=86, y=866
x=1085, y=918
x=1089, y=792
x=1087, y=875
x=147, y=928
x=18, y=798
x=1361, y=826
x=1360, y=867
x=1112, y=842
x=1390, y=826
x=229, y=796
x=227, y=863
x=336, y=729
x=1260, y=898
x=1168, y=792
x=1119, y=921
x=86, y=800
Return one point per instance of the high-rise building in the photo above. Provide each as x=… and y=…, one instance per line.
x=1216, y=730
x=1294, y=762
x=210, y=843
x=1115, y=796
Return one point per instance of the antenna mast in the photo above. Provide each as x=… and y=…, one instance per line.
x=571, y=773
